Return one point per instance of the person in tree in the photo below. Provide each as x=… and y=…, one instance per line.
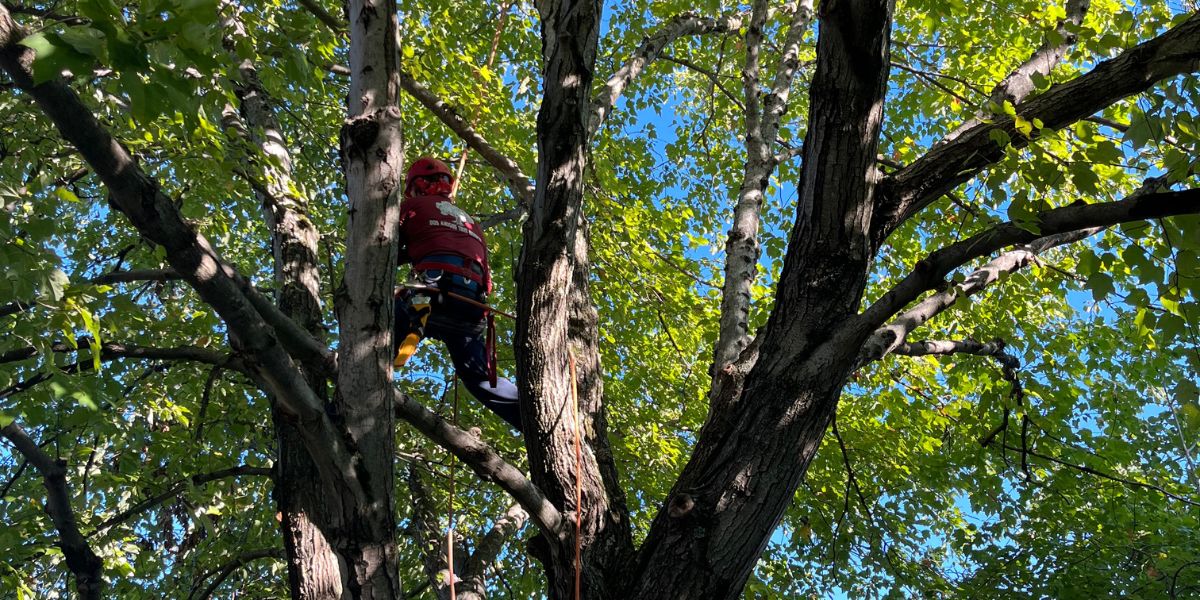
x=449, y=258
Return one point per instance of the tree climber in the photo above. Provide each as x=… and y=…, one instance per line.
x=449, y=258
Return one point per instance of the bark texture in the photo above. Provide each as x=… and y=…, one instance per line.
x=363, y=534
x=742, y=249
x=911, y=189
x=734, y=490
x=313, y=570
x=81, y=560
x=549, y=259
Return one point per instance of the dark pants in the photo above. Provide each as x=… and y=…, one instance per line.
x=463, y=328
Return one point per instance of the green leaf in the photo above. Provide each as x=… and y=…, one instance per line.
x=1001, y=137
x=103, y=13
x=53, y=57
x=66, y=194
x=1101, y=285
x=54, y=284
x=127, y=54
x=85, y=40
x=1023, y=126
x=1085, y=178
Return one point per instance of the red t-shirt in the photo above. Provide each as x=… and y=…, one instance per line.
x=433, y=225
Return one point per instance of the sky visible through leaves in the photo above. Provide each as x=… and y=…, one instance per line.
x=1106, y=331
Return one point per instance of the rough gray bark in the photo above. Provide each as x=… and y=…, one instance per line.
x=543, y=336
x=313, y=570
x=469, y=569
x=1056, y=227
x=81, y=560
x=473, y=584
x=1019, y=84
x=363, y=534
x=731, y=494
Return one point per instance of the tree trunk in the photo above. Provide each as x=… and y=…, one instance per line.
x=313, y=570
x=363, y=530
x=734, y=490
x=554, y=315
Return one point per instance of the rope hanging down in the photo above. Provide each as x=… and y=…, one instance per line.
x=450, y=520
x=462, y=160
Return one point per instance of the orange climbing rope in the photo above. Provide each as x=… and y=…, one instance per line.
x=462, y=159
x=578, y=459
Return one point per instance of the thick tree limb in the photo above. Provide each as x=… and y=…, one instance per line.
x=473, y=586
x=114, y=350
x=324, y=16
x=363, y=533
x=485, y=462
x=522, y=188
x=147, y=207
x=553, y=321
x=520, y=184
x=739, y=482
x=293, y=236
x=174, y=490
x=191, y=255
x=81, y=560
x=887, y=338
x=296, y=314
x=683, y=25
x=1019, y=84
x=909, y=190
x=742, y=248
x=948, y=347
x=299, y=496
x=1057, y=227
x=227, y=569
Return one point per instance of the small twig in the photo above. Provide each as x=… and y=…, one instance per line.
x=205, y=397
x=174, y=490
x=15, y=477
x=1175, y=576
x=1103, y=475
x=226, y=570
x=712, y=77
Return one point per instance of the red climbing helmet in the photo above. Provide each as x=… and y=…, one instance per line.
x=428, y=177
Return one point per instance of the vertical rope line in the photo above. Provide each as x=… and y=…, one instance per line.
x=450, y=528
x=462, y=159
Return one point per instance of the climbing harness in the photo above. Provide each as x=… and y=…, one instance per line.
x=426, y=292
